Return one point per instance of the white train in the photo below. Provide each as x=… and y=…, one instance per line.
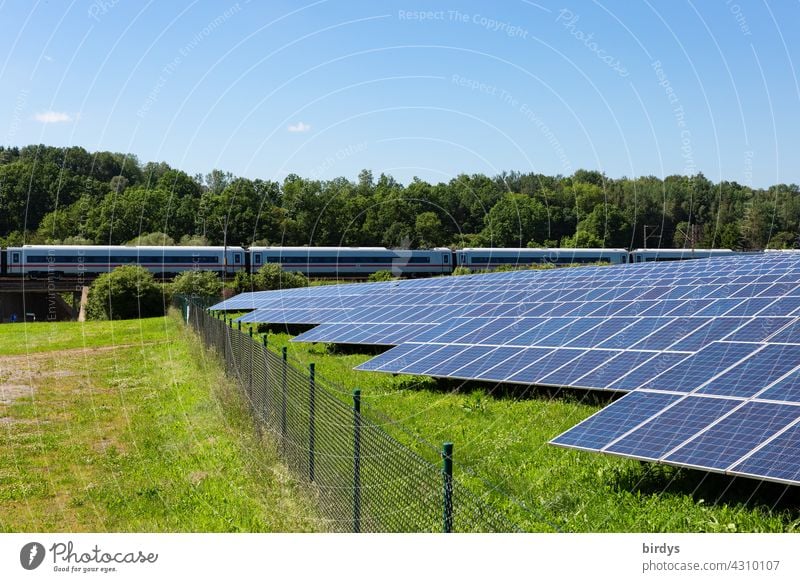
x=482, y=259
x=646, y=255
x=353, y=261
x=72, y=260
x=357, y=262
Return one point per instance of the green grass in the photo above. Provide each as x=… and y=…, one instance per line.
x=131, y=426
x=502, y=438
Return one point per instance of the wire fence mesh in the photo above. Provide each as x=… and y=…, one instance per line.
x=364, y=480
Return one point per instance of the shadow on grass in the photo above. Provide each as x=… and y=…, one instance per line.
x=708, y=488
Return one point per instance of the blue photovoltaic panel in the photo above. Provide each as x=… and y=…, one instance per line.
x=569, y=331
x=734, y=436
x=719, y=307
x=759, y=329
x=485, y=331
x=479, y=366
x=462, y=358
x=538, y=370
x=781, y=306
x=750, y=306
x=700, y=367
x=428, y=358
x=671, y=427
x=601, y=332
x=580, y=366
x=779, y=459
x=520, y=360
x=398, y=356
x=756, y=372
x=690, y=307
x=532, y=336
x=675, y=330
x=636, y=332
x=654, y=366
x=716, y=329
x=786, y=390
x=790, y=335
x=597, y=431
x=607, y=373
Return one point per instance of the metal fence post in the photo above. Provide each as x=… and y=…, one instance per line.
x=283, y=395
x=357, y=461
x=250, y=348
x=311, y=411
x=447, y=472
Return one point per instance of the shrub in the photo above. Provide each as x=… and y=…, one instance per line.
x=271, y=277
x=462, y=271
x=242, y=282
x=197, y=284
x=125, y=293
x=381, y=276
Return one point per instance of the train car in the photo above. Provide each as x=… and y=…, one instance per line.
x=647, y=255
x=74, y=260
x=353, y=261
x=490, y=258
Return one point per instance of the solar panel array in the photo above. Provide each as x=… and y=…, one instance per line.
x=708, y=349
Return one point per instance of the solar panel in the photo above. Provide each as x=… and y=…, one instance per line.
x=671, y=426
x=708, y=349
x=720, y=445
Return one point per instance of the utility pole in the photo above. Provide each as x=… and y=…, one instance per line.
x=653, y=229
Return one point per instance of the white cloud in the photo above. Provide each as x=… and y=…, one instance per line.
x=299, y=127
x=52, y=117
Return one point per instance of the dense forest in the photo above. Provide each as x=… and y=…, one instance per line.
x=70, y=195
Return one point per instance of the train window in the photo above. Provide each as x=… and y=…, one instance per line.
x=15, y=257
x=446, y=259
x=237, y=258
x=257, y=258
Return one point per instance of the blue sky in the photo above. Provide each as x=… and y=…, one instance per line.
x=428, y=89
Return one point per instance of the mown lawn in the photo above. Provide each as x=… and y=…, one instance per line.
x=502, y=438
x=130, y=426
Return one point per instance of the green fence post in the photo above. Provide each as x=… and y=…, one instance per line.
x=283, y=393
x=357, y=461
x=311, y=411
x=251, y=348
x=265, y=382
x=447, y=472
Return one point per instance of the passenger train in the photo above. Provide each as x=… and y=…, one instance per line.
x=39, y=261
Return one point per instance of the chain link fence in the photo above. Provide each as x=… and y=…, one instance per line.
x=364, y=479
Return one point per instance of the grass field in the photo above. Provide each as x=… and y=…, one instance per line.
x=127, y=426
x=502, y=438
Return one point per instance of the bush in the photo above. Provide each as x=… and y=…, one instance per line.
x=271, y=277
x=126, y=292
x=378, y=276
x=242, y=282
x=197, y=284
x=462, y=271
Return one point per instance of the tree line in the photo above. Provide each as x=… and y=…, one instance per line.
x=72, y=196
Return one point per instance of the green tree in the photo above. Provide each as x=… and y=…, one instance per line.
x=429, y=230
x=151, y=239
x=515, y=220
x=197, y=284
x=271, y=276
x=127, y=292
